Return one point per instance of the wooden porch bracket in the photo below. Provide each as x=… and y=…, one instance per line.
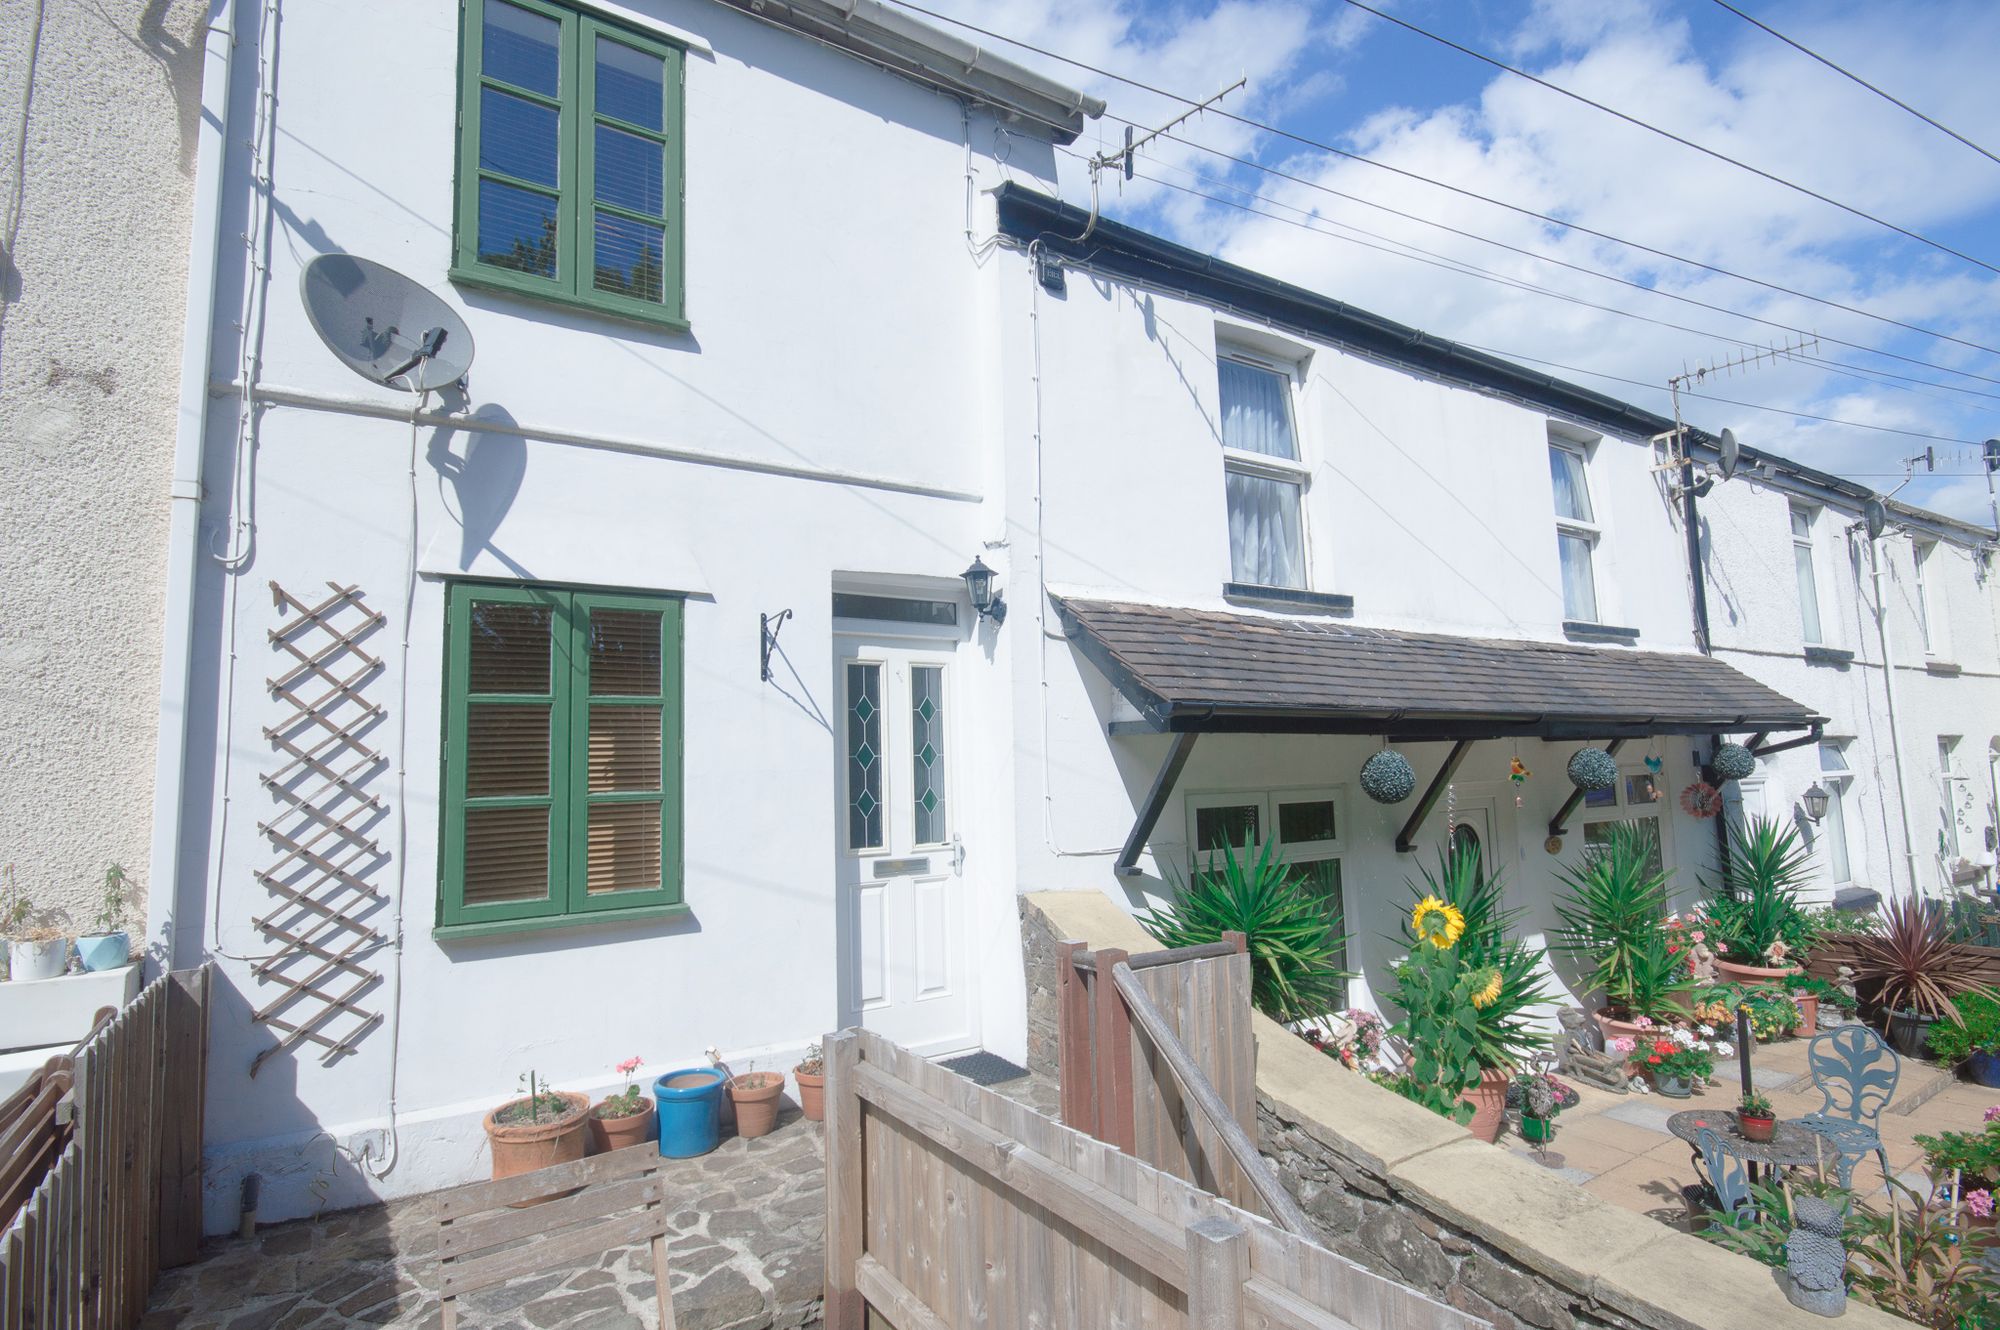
x=1557, y=827
x=1156, y=802
x=1406, y=838
x=1811, y=736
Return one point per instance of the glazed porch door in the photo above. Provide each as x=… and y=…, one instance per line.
x=903, y=949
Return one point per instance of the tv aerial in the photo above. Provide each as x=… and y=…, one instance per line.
x=384, y=326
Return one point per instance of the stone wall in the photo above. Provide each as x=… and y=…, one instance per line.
x=1412, y=1195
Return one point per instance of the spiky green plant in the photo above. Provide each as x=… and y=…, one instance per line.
x=1295, y=937
x=1757, y=906
x=1614, y=914
x=1504, y=1037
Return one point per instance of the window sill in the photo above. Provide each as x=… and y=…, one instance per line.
x=1250, y=593
x=499, y=284
x=1829, y=656
x=553, y=923
x=1946, y=668
x=1578, y=631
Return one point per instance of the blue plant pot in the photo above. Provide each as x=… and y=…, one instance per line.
x=1985, y=1068
x=104, y=951
x=690, y=1111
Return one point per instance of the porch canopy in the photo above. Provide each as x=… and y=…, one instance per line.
x=1195, y=672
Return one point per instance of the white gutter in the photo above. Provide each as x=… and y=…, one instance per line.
x=184, y=493
x=1895, y=729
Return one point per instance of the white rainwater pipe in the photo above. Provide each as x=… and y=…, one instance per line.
x=1895, y=728
x=184, y=492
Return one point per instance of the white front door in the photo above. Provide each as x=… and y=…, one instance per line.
x=903, y=950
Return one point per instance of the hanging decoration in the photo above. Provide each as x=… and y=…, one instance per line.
x=1592, y=769
x=1733, y=762
x=1655, y=763
x=1518, y=773
x=1701, y=800
x=1387, y=777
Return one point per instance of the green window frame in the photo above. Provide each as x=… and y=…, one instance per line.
x=582, y=217
x=577, y=795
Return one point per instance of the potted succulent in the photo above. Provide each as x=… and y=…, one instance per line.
x=1914, y=972
x=811, y=1077
x=1756, y=922
x=1973, y=1039
x=1755, y=1117
x=110, y=946
x=624, y=1118
x=540, y=1128
x=34, y=949
x=754, y=1095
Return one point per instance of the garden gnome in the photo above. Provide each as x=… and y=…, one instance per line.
x=1815, y=1262
x=1843, y=979
x=1701, y=963
x=1578, y=1056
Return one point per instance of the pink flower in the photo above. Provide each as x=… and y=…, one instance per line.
x=1993, y=1113
x=1643, y=1022
x=1980, y=1203
x=1623, y=1044
x=1698, y=935
x=628, y=1066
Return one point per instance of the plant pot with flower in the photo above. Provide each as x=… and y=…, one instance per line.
x=1755, y=1117
x=625, y=1118
x=1676, y=1062
x=1755, y=921
x=540, y=1128
x=810, y=1075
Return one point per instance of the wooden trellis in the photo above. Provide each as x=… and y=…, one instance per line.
x=326, y=856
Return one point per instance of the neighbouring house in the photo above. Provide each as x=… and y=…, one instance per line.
x=825, y=546
x=93, y=288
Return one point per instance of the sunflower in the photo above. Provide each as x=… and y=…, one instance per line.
x=1486, y=990
x=1448, y=927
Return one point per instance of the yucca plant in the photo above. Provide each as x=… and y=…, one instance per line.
x=1615, y=911
x=1504, y=1037
x=1294, y=936
x=1913, y=965
x=1757, y=907
x=1654, y=979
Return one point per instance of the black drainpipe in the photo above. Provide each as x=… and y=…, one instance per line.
x=1691, y=519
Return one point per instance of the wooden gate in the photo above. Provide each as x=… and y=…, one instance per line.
x=949, y=1207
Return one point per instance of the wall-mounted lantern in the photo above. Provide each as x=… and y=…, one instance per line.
x=985, y=599
x=1815, y=800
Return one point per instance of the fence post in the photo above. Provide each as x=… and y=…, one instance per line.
x=1218, y=1264
x=845, y=1217
x=1114, y=1056
x=1238, y=940
x=184, y=1048
x=1079, y=1105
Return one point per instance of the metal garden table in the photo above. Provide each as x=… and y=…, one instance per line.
x=1790, y=1146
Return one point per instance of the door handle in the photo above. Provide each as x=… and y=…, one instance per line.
x=957, y=855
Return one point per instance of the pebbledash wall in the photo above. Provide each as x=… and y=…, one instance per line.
x=1409, y=1194
x=92, y=286
x=839, y=331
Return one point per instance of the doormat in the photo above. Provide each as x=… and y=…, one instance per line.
x=984, y=1068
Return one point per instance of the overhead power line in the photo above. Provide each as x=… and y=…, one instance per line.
x=1850, y=74
x=1669, y=135
x=1328, y=148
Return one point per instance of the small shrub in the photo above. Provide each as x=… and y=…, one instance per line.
x=1977, y=1029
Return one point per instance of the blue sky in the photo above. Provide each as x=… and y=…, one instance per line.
x=1327, y=70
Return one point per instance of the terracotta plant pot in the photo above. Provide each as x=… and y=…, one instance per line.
x=1808, y=1012
x=1489, y=1103
x=608, y=1134
x=523, y=1147
x=1755, y=976
x=1755, y=1129
x=755, y=1095
x=1614, y=1028
x=812, y=1093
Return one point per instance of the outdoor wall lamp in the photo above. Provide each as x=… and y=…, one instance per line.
x=1815, y=801
x=979, y=585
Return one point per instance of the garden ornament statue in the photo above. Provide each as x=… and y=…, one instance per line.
x=1578, y=1055
x=1701, y=963
x=1815, y=1262
x=1843, y=980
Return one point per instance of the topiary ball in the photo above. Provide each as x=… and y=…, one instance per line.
x=1592, y=769
x=1733, y=762
x=1388, y=778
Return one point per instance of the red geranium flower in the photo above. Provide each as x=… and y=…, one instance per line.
x=1654, y=1058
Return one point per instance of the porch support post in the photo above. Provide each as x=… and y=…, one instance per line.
x=1406, y=838
x=1556, y=823
x=1156, y=802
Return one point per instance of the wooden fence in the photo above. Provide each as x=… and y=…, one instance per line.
x=1830, y=953
x=950, y=1206
x=123, y=1195
x=1116, y=1079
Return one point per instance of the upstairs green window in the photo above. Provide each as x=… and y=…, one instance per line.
x=562, y=780
x=569, y=160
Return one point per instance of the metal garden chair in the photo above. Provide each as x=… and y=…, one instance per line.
x=1728, y=1176
x=1856, y=1072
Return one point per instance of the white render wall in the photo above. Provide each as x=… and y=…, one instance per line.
x=839, y=326
x=93, y=293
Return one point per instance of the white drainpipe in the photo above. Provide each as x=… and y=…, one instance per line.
x=184, y=490
x=1895, y=727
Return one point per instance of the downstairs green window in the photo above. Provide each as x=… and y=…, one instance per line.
x=562, y=773
x=569, y=159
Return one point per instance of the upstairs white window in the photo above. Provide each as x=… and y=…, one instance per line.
x=1577, y=530
x=1835, y=778
x=1803, y=560
x=1262, y=474
x=1930, y=616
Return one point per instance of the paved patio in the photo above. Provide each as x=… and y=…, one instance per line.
x=1618, y=1147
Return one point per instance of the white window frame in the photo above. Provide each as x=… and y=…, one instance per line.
x=1838, y=785
x=1661, y=810
x=1263, y=465
x=1930, y=621
x=1950, y=789
x=1809, y=542
x=1308, y=852
x=1591, y=532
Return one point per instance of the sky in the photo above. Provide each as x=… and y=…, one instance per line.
x=1329, y=71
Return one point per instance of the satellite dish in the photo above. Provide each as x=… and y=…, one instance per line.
x=1730, y=455
x=384, y=326
x=1875, y=514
